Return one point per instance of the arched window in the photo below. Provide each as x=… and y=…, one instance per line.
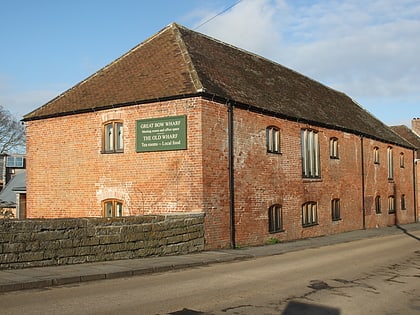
x=378, y=204
x=275, y=219
x=112, y=208
x=273, y=139
x=334, y=148
x=376, y=155
x=335, y=209
x=391, y=204
x=403, y=206
x=402, y=160
x=113, y=137
x=309, y=213
x=390, y=163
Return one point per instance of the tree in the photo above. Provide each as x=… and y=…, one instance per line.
x=12, y=133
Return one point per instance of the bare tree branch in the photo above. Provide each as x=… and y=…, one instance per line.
x=12, y=133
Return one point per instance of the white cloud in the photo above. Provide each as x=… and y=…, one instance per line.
x=249, y=25
x=367, y=49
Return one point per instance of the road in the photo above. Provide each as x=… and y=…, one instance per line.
x=371, y=276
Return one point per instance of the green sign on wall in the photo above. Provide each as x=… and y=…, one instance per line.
x=161, y=134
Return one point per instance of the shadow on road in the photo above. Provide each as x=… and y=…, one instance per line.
x=408, y=233
x=299, y=308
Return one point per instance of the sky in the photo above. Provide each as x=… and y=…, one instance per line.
x=370, y=50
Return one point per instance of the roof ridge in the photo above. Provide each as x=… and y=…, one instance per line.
x=195, y=78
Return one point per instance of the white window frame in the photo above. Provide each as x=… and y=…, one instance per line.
x=390, y=157
x=273, y=139
x=334, y=148
x=310, y=154
x=376, y=155
x=113, y=137
x=309, y=213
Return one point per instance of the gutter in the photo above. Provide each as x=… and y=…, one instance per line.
x=219, y=99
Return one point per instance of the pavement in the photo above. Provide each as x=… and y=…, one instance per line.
x=42, y=277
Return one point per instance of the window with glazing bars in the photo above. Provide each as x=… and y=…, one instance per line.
x=390, y=163
x=391, y=204
x=112, y=208
x=275, y=219
x=113, y=137
x=310, y=154
x=309, y=213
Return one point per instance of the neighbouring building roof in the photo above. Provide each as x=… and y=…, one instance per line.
x=408, y=135
x=8, y=194
x=178, y=62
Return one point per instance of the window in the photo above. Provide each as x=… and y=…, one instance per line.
x=14, y=161
x=310, y=154
x=112, y=208
x=113, y=137
x=309, y=214
x=334, y=148
x=335, y=209
x=376, y=155
x=403, y=206
x=391, y=204
x=275, y=219
x=390, y=163
x=273, y=139
x=402, y=160
x=378, y=204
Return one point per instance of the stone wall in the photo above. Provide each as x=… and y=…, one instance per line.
x=46, y=242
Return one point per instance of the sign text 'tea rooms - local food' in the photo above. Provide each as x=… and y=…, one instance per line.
x=161, y=134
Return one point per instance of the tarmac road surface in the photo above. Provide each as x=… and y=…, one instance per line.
x=378, y=275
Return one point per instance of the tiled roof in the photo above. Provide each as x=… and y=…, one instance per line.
x=408, y=135
x=178, y=62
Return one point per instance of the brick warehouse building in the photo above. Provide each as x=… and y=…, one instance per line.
x=186, y=123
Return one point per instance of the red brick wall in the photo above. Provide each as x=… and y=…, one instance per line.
x=378, y=184
x=263, y=179
x=216, y=174
x=68, y=176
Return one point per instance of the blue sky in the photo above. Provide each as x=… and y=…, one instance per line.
x=367, y=49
